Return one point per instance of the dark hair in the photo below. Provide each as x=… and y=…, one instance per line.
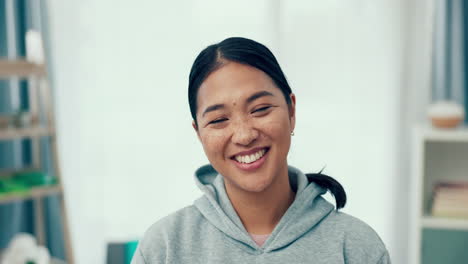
x=252, y=53
x=331, y=185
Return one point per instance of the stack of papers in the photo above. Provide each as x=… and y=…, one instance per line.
x=450, y=199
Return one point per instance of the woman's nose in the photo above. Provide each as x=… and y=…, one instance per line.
x=244, y=133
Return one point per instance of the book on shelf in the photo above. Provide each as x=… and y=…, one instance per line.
x=450, y=199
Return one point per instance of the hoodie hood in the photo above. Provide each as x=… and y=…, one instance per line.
x=307, y=210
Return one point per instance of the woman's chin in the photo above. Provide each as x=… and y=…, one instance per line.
x=253, y=185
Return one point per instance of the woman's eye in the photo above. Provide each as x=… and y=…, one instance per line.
x=261, y=109
x=218, y=121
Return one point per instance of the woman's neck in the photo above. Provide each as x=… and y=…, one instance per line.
x=261, y=211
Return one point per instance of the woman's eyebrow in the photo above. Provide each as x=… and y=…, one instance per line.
x=252, y=98
x=212, y=108
x=257, y=95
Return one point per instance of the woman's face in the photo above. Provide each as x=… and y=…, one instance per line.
x=244, y=125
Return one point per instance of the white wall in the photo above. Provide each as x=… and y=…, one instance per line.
x=344, y=60
x=128, y=149
x=414, y=101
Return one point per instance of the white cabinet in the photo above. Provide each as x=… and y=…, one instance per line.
x=437, y=155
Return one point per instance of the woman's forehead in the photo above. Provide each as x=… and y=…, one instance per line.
x=234, y=81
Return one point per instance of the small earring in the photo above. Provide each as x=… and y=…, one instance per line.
x=292, y=133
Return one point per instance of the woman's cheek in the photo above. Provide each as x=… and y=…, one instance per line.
x=214, y=142
x=275, y=125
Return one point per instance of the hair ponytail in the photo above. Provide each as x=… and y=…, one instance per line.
x=331, y=185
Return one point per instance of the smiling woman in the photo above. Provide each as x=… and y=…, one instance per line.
x=255, y=208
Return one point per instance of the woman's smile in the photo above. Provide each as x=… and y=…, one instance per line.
x=251, y=160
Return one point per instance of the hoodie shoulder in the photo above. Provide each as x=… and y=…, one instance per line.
x=361, y=243
x=166, y=233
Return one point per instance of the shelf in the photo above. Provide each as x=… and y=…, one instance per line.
x=20, y=68
x=32, y=193
x=18, y=133
x=52, y=259
x=430, y=133
x=444, y=223
x=10, y=172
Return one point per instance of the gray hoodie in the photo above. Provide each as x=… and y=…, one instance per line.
x=210, y=231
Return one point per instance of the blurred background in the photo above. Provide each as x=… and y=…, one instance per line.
x=109, y=129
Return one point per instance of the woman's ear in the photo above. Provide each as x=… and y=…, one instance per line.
x=195, y=127
x=292, y=111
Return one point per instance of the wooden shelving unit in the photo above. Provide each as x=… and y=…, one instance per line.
x=437, y=155
x=20, y=68
x=40, y=106
x=37, y=192
x=38, y=131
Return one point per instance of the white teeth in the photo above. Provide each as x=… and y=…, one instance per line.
x=250, y=158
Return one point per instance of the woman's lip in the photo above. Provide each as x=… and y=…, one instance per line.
x=248, y=152
x=251, y=166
